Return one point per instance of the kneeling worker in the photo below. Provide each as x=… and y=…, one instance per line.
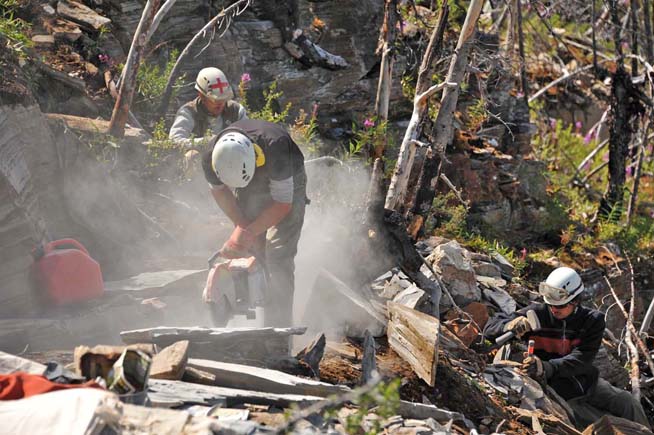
x=210, y=112
x=256, y=173
x=565, y=347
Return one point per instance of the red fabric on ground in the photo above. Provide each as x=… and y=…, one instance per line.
x=20, y=385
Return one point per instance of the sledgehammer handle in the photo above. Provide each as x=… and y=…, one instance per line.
x=504, y=337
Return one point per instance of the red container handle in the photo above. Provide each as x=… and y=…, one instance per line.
x=49, y=247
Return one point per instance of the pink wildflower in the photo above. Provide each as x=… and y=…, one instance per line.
x=368, y=123
x=552, y=123
x=246, y=77
x=605, y=157
x=628, y=171
x=523, y=254
x=578, y=126
x=588, y=138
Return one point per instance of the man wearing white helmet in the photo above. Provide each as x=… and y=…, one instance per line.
x=256, y=173
x=566, y=344
x=210, y=112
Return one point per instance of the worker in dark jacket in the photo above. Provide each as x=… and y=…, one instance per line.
x=565, y=346
x=256, y=173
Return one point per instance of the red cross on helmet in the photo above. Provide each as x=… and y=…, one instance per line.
x=213, y=84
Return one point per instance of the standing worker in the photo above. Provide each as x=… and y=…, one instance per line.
x=264, y=167
x=565, y=346
x=210, y=112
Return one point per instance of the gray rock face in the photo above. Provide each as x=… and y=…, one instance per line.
x=254, y=44
x=456, y=271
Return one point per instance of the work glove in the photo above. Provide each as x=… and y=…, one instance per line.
x=519, y=326
x=239, y=243
x=536, y=368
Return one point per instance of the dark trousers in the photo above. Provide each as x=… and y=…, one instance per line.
x=605, y=398
x=281, y=242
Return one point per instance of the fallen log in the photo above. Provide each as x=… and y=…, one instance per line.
x=172, y=394
x=264, y=380
x=414, y=336
x=82, y=15
x=242, y=345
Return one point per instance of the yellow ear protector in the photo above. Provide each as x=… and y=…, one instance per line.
x=260, y=156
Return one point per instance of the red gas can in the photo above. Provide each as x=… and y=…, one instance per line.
x=68, y=275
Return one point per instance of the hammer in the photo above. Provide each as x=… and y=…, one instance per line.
x=532, y=318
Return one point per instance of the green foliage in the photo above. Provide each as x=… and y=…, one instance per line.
x=13, y=28
x=384, y=398
x=271, y=96
x=304, y=130
x=151, y=79
x=102, y=145
x=370, y=139
x=477, y=114
x=161, y=146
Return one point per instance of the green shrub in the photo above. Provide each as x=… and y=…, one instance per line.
x=151, y=80
x=13, y=28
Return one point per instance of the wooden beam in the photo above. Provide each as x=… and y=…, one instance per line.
x=170, y=394
x=263, y=380
x=414, y=336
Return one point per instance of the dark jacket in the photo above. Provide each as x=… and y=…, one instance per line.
x=569, y=345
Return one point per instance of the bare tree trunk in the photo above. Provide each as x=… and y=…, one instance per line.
x=128, y=82
x=633, y=351
x=638, y=170
x=433, y=50
x=386, y=42
x=620, y=131
x=220, y=22
x=634, y=36
x=521, y=47
x=443, y=124
x=647, y=24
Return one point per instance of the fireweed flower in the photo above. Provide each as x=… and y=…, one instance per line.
x=368, y=123
x=588, y=138
x=245, y=77
x=578, y=126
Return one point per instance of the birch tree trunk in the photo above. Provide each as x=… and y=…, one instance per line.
x=398, y=186
x=128, y=82
x=386, y=42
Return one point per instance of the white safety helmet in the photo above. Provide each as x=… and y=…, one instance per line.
x=561, y=286
x=233, y=159
x=213, y=84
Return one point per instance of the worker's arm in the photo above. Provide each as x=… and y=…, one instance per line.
x=227, y=203
x=495, y=325
x=270, y=217
x=182, y=131
x=281, y=192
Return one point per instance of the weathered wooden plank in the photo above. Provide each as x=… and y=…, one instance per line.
x=368, y=361
x=81, y=14
x=177, y=393
x=170, y=363
x=239, y=345
x=414, y=336
x=264, y=380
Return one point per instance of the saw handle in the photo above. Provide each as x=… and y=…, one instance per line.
x=504, y=337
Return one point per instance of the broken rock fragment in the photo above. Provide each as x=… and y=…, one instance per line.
x=454, y=264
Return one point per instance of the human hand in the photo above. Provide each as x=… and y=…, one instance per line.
x=519, y=326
